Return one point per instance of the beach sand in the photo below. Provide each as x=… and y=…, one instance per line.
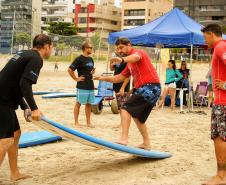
x=185, y=136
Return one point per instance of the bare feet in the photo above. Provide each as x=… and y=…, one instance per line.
x=77, y=125
x=144, y=146
x=90, y=126
x=122, y=142
x=18, y=176
x=216, y=180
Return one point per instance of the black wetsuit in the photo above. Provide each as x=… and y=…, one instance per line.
x=16, y=80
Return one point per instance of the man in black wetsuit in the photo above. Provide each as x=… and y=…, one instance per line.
x=16, y=80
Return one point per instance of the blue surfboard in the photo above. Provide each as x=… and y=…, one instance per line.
x=59, y=95
x=43, y=92
x=36, y=138
x=83, y=138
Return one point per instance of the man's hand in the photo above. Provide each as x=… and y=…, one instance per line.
x=115, y=60
x=80, y=78
x=27, y=115
x=122, y=91
x=36, y=115
x=95, y=77
x=93, y=71
x=220, y=84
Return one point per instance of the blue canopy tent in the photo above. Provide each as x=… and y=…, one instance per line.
x=174, y=29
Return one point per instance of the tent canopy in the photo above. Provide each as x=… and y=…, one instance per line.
x=174, y=29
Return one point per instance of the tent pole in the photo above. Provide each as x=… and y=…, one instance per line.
x=190, y=83
x=108, y=58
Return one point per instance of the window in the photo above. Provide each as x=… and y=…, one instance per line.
x=82, y=20
x=135, y=22
x=136, y=12
x=218, y=18
x=114, y=22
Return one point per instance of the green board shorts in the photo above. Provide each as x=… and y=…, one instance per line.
x=85, y=96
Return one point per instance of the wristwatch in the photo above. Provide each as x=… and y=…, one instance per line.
x=224, y=86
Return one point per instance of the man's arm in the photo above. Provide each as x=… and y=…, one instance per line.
x=129, y=59
x=26, y=88
x=23, y=104
x=72, y=74
x=112, y=67
x=113, y=79
x=122, y=89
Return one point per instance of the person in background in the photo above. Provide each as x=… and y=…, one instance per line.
x=84, y=65
x=121, y=89
x=210, y=88
x=184, y=82
x=172, y=76
x=56, y=66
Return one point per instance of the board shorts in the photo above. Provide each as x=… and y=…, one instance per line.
x=142, y=101
x=85, y=96
x=8, y=122
x=121, y=99
x=218, y=122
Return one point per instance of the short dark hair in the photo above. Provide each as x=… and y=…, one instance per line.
x=40, y=40
x=214, y=28
x=122, y=40
x=85, y=44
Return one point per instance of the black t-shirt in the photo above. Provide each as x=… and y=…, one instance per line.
x=84, y=66
x=117, y=86
x=25, y=64
x=185, y=73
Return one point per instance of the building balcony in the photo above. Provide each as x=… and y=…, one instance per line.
x=134, y=17
x=55, y=14
x=56, y=4
x=129, y=27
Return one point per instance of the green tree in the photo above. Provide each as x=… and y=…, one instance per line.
x=61, y=47
x=62, y=28
x=224, y=29
x=22, y=39
x=95, y=40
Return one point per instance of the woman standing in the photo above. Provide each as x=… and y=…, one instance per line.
x=172, y=76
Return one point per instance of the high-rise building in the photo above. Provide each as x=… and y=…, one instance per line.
x=139, y=12
x=91, y=16
x=55, y=11
x=204, y=11
x=18, y=17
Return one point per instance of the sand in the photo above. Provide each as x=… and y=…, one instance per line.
x=185, y=136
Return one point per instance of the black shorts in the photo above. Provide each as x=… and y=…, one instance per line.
x=8, y=122
x=141, y=103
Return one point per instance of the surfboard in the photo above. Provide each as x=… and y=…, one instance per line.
x=42, y=92
x=59, y=95
x=36, y=138
x=86, y=139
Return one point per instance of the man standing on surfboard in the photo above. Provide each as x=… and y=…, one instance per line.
x=147, y=89
x=213, y=37
x=84, y=65
x=16, y=80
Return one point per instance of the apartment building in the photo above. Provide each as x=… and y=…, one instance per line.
x=91, y=16
x=139, y=12
x=55, y=11
x=16, y=17
x=204, y=11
